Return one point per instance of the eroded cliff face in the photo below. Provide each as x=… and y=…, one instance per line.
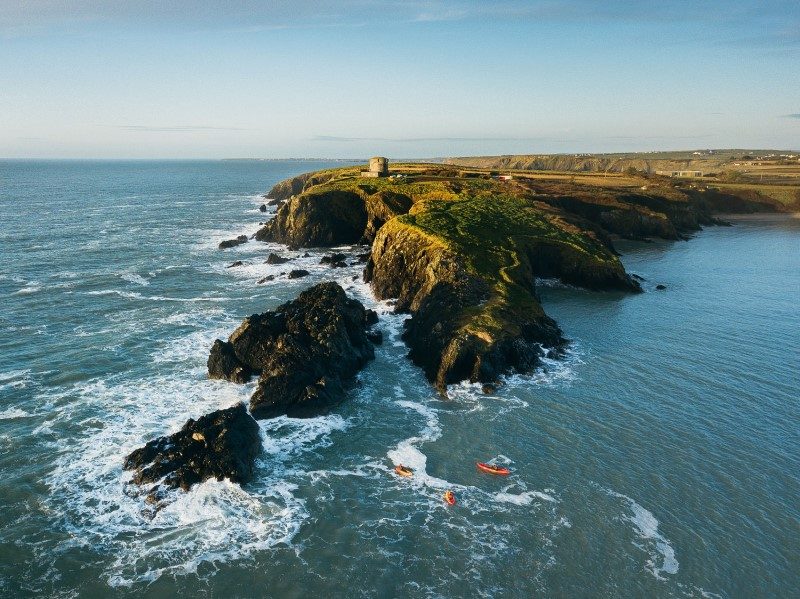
x=318, y=220
x=328, y=217
x=296, y=185
x=466, y=272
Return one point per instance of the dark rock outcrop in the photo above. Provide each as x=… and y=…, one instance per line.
x=223, y=364
x=317, y=219
x=306, y=352
x=333, y=259
x=276, y=259
x=222, y=444
x=298, y=273
x=229, y=243
x=235, y=264
x=263, y=208
x=324, y=218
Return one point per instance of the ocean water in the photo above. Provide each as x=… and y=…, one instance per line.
x=661, y=458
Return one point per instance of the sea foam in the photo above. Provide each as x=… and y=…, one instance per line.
x=661, y=554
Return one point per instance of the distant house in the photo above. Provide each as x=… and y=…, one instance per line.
x=681, y=174
x=378, y=167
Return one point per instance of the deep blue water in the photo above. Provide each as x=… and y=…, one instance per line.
x=660, y=459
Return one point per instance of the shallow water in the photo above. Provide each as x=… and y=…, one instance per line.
x=659, y=459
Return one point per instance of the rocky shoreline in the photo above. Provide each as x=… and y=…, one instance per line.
x=306, y=353
x=459, y=250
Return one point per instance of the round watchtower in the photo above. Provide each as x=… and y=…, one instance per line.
x=379, y=165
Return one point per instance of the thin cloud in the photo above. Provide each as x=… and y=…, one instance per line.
x=176, y=128
x=340, y=139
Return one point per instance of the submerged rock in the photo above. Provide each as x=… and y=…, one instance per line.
x=219, y=445
x=235, y=264
x=306, y=352
x=229, y=243
x=661, y=287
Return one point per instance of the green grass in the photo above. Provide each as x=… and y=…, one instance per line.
x=494, y=235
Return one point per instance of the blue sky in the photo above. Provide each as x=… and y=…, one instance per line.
x=213, y=79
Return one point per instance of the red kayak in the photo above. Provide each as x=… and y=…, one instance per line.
x=450, y=497
x=490, y=469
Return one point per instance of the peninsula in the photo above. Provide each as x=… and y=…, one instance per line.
x=460, y=248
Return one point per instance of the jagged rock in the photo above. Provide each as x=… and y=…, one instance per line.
x=263, y=208
x=298, y=273
x=229, y=243
x=333, y=259
x=223, y=363
x=276, y=259
x=307, y=351
x=235, y=264
x=222, y=444
x=266, y=279
x=275, y=202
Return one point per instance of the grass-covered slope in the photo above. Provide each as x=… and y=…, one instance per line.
x=466, y=270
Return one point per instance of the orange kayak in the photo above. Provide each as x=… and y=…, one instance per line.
x=450, y=497
x=404, y=471
x=490, y=469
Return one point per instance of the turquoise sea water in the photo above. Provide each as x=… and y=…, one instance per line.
x=660, y=459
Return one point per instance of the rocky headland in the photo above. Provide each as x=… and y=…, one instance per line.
x=461, y=249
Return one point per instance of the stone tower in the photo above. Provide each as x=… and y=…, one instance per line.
x=378, y=167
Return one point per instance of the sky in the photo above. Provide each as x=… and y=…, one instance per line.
x=423, y=78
